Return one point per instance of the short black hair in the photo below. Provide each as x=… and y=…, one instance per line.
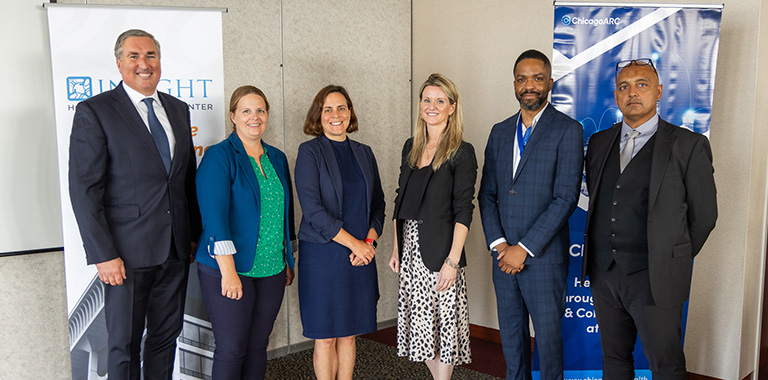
x=535, y=54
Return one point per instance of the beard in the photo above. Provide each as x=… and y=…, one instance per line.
x=531, y=104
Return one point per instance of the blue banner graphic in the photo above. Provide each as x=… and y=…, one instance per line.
x=588, y=42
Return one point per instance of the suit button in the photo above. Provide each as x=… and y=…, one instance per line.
x=614, y=251
x=613, y=235
x=511, y=192
x=168, y=211
x=618, y=186
x=615, y=203
x=613, y=219
x=421, y=221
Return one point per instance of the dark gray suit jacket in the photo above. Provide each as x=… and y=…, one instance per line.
x=125, y=203
x=682, y=205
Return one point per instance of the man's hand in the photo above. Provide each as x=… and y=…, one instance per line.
x=512, y=259
x=111, y=272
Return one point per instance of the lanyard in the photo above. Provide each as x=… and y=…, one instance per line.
x=522, y=140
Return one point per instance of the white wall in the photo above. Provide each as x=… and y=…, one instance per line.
x=28, y=150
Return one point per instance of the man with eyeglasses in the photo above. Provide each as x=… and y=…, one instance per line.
x=652, y=206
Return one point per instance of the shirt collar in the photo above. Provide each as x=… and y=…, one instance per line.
x=136, y=97
x=647, y=128
x=535, y=118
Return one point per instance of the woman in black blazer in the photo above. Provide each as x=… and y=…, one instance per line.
x=433, y=210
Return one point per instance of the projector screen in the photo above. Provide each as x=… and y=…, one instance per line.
x=30, y=208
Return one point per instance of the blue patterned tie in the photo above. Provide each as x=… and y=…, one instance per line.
x=158, y=134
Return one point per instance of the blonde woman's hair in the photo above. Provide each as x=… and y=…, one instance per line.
x=450, y=141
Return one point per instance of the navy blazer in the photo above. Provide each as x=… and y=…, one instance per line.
x=682, y=205
x=533, y=205
x=447, y=200
x=230, y=202
x=125, y=203
x=319, y=187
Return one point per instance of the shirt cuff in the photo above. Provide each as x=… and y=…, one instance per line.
x=526, y=249
x=497, y=242
x=222, y=248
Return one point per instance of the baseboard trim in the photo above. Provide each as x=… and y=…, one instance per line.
x=696, y=376
x=485, y=333
x=291, y=349
x=386, y=324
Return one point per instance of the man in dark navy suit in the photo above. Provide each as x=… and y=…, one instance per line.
x=132, y=187
x=652, y=206
x=530, y=186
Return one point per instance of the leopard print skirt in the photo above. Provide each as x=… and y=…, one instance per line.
x=430, y=324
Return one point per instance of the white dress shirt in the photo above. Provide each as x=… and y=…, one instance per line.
x=141, y=107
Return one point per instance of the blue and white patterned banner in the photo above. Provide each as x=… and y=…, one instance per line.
x=589, y=39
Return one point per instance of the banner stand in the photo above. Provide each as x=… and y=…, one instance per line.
x=589, y=39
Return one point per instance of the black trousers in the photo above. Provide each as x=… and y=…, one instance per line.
x=625, y=309
x=241, y=327
x=155, y=295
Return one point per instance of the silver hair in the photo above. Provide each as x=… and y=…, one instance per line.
x=132, y=33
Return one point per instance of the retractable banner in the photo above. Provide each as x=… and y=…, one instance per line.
x=82, y=39
x=589, y=39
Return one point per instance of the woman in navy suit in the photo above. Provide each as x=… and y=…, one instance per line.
x=245, y=258
x=433, y=210
x=343, y=215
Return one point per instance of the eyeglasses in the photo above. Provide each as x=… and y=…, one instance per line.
x=640, y=62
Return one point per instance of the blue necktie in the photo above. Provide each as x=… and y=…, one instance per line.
x=158, y=134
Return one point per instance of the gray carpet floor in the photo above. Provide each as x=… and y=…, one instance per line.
x=375, y=361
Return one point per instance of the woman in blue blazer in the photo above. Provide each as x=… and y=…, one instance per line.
x=433, y=210
x=342, y=203
x=245, y=257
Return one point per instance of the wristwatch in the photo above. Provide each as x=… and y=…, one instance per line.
x=372, y=242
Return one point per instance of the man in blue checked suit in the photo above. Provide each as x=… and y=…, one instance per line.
x=529, y=188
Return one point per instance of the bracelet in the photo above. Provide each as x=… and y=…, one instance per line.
x=451, y=263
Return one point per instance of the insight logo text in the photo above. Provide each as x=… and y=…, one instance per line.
x=568, y=20
x=83, y=87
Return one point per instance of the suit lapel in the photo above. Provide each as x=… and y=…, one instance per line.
x=128, y=112
x=603, y=150
x=405, y=168
x=662, y=148
x=271, y=152
x=536, y=135
x=362, y=162
x=244, y=163
x=333, y=167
